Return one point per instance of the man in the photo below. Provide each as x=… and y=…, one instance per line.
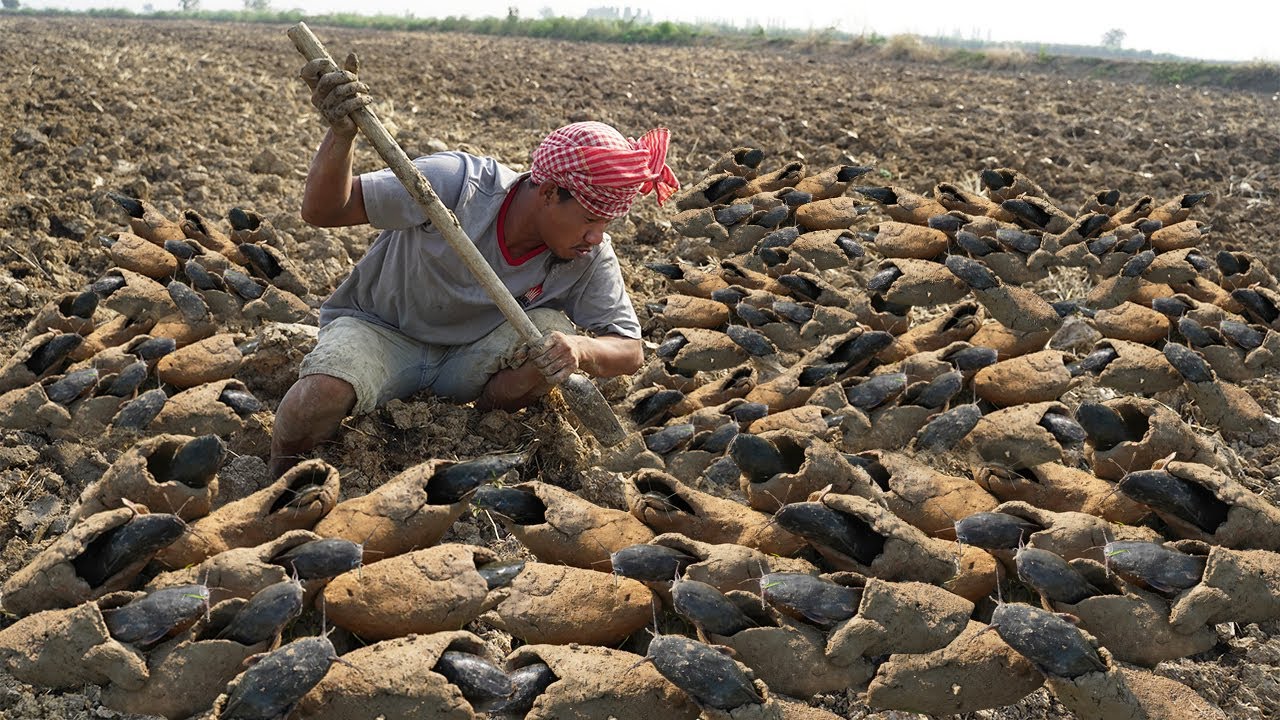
x=411, y=317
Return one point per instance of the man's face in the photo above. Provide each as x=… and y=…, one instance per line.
x=572, y=231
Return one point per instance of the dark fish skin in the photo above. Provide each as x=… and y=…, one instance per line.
x=139, y=412
x=650, y=563
x=188, y=301
x=756, y=344
x=106, y=285
x=974, y=358
x=242, y=219
x=666, y=270
x=710, y=677
x=793, y=311
x=1105, y=427
x=716, y=441
x=1171, y=306
x=851, y=248
x=262, y=262
x=1245, y=336
x=816, y=375
x=862, y=349
x=669, y=438
x=128, y=380
x=936, y=393
x=272, y=686
x=819, y=524
x=1190, y=365
x=153, y=349
x=1063, y=428
x=320, y=559
x=71, y=386
x=707, y=608
x=201, y=278
x=876, y=391
x=455, y=482
x=1093, y=363
x=123, y=545
x=82, y=305
x=730, y=296
x=1229, y=264
x=1052, y=576
x=195, y=464
x=157, y=615
x=751, y=315
x=53, y=354
x=1197, y=334
x=810, y=598
x=758, y=457
x=974, y=274
x=180, y=250
x=1100, y=246
x=1161, y=568
x=948, y=428
x=519, y=506
x=882, y=195
x=671, y=346
x=975, y=245
x=883, y=279
x=1054, y=645
x=649, y=409
x=1256, y=306
x=242, y=402
x=241, y=284
x=1165, y=492
x=805, y=288
x=994, y=530
x=528, y=683
x=733, y=214
x=478, y=679
x=748, y=412
x=500, y=573
x=1027, y=212
x=265, y=614
x=132, y=206
x=1138, y=264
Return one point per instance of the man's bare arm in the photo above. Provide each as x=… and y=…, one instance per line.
x=333, y=197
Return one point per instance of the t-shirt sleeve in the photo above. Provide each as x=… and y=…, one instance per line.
x=390, y=207
x=599, y=301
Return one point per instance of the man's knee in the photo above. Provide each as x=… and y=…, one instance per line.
x=318, y=396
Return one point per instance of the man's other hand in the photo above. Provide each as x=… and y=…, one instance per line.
x=337, y=94
x=558, y=357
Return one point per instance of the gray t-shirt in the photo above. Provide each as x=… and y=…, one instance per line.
x=412, y=281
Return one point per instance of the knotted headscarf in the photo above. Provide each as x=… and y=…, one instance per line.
x=603, y=170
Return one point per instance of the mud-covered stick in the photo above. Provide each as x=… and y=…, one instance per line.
x=582, y=396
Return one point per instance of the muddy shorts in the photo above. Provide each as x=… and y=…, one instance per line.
x=382, y=365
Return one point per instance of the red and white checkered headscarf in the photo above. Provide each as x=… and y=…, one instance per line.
x=604, y=170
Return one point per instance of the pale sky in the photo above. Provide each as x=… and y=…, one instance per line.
x=1212, y=30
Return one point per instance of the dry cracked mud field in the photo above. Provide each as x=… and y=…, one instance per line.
x=210, y=117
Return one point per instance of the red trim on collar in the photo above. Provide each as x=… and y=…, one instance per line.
x=502, y=223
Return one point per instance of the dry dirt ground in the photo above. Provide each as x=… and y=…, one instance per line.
x=208, y=117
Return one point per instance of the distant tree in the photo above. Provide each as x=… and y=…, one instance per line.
x=1113, y=39
x=513, y=13
x=546, y=13
x=257, y=5
x=189, y=5
x=9, y=4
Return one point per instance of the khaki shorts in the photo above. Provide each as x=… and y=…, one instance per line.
x=382, y=365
